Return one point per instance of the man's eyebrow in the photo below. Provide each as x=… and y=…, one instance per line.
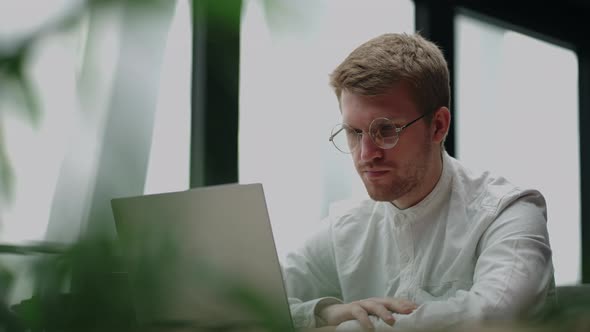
x=396, y=120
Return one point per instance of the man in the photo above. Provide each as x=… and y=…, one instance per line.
x=437, y=245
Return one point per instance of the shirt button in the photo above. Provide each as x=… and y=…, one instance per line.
x=399, y=220
x=405, y=258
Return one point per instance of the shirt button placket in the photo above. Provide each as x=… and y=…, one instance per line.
x=402, y=245
x=406, y=250
x=403, y=238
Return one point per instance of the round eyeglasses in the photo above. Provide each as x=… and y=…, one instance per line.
x=383, y=132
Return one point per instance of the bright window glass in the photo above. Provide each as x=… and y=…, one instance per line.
x=287, y=108
x=35, y=149
x=169, y=163
x=517, y=115
x=38, y=151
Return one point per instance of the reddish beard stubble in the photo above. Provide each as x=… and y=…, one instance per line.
x=400, y=179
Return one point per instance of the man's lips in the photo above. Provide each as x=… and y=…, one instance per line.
x=372, y=173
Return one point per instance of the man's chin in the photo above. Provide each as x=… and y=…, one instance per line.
x=381, y=198
x=380, y=194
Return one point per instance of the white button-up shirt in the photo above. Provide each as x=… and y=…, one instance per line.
x=476, y=248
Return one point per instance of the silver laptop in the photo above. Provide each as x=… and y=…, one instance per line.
x=204, y=258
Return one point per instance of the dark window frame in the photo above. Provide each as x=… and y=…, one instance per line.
x=562, y=23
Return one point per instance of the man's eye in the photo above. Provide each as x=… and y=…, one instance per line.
x=350, y=131
x=387, y=131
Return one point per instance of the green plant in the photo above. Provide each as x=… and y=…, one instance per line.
x=85, y=287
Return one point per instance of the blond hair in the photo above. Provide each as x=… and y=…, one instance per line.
x=377, y=65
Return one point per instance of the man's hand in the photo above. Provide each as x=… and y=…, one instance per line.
x=360, y=310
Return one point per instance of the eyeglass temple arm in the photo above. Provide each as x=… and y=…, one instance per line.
x=334, y=134
x=411, y=122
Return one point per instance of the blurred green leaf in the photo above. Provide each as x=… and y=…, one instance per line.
x=99, y=297
x=6, y=173
x=224, y=13
x=12, y=69
x=77, y=289
x=6, y=280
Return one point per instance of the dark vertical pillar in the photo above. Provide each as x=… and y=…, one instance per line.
x=435, y=20
x=215, y=80
x=584, y=95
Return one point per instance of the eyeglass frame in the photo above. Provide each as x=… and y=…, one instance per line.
x=398, y=131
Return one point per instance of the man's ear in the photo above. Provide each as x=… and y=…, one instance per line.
x=440, y=124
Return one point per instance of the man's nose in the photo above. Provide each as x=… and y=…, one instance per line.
x=369, y=151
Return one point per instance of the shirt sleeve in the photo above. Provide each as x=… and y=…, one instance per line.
x=311, y=279
x=513, y=274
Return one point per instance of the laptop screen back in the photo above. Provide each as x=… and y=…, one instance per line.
x=204, y=256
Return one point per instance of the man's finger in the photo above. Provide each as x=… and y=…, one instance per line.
x=379, y=310
x=400, y=306
x=360, y=314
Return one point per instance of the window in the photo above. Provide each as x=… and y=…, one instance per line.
x=517, y=115
x=169, y=163
x=73, y=73
x=287, y=108
x=35, y=147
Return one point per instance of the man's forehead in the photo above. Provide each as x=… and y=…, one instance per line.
x=358, y=108
x=400, y=93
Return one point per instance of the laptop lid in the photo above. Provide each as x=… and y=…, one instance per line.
x=204, y=257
